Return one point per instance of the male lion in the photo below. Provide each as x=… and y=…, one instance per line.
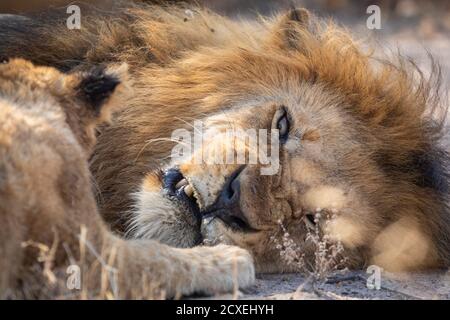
x=360, y=160
x=47, y=123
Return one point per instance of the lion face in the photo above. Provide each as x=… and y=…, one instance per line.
x=351, y=153
x=319, y=165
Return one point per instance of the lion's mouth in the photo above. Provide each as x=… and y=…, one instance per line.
x=236, y=224
x=178, y=188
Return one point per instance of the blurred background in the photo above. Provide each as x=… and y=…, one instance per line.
x=414, y=26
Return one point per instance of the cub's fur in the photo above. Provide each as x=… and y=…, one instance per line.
x=48, y=214
x=363, y=145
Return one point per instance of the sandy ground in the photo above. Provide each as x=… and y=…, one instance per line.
x=351, y=285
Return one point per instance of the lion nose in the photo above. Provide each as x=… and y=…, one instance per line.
x=231, y=190
x=228, y=207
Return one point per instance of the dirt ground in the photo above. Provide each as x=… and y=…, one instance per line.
x=349, y=286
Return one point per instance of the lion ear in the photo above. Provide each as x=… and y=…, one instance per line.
x=100, y=90
x=96, y=94
x=291, y=29
x=297, y=15
x=99, y=86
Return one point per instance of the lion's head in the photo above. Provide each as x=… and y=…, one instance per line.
x=355, y=156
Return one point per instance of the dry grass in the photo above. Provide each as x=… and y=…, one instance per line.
x=42, y=280
x=328, y=258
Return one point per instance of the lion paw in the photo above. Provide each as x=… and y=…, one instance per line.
x=219, y=269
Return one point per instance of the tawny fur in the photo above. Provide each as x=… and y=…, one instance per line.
x=47, y=207
x=380, y=121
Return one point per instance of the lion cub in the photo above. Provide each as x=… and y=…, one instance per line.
x=48, y=216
